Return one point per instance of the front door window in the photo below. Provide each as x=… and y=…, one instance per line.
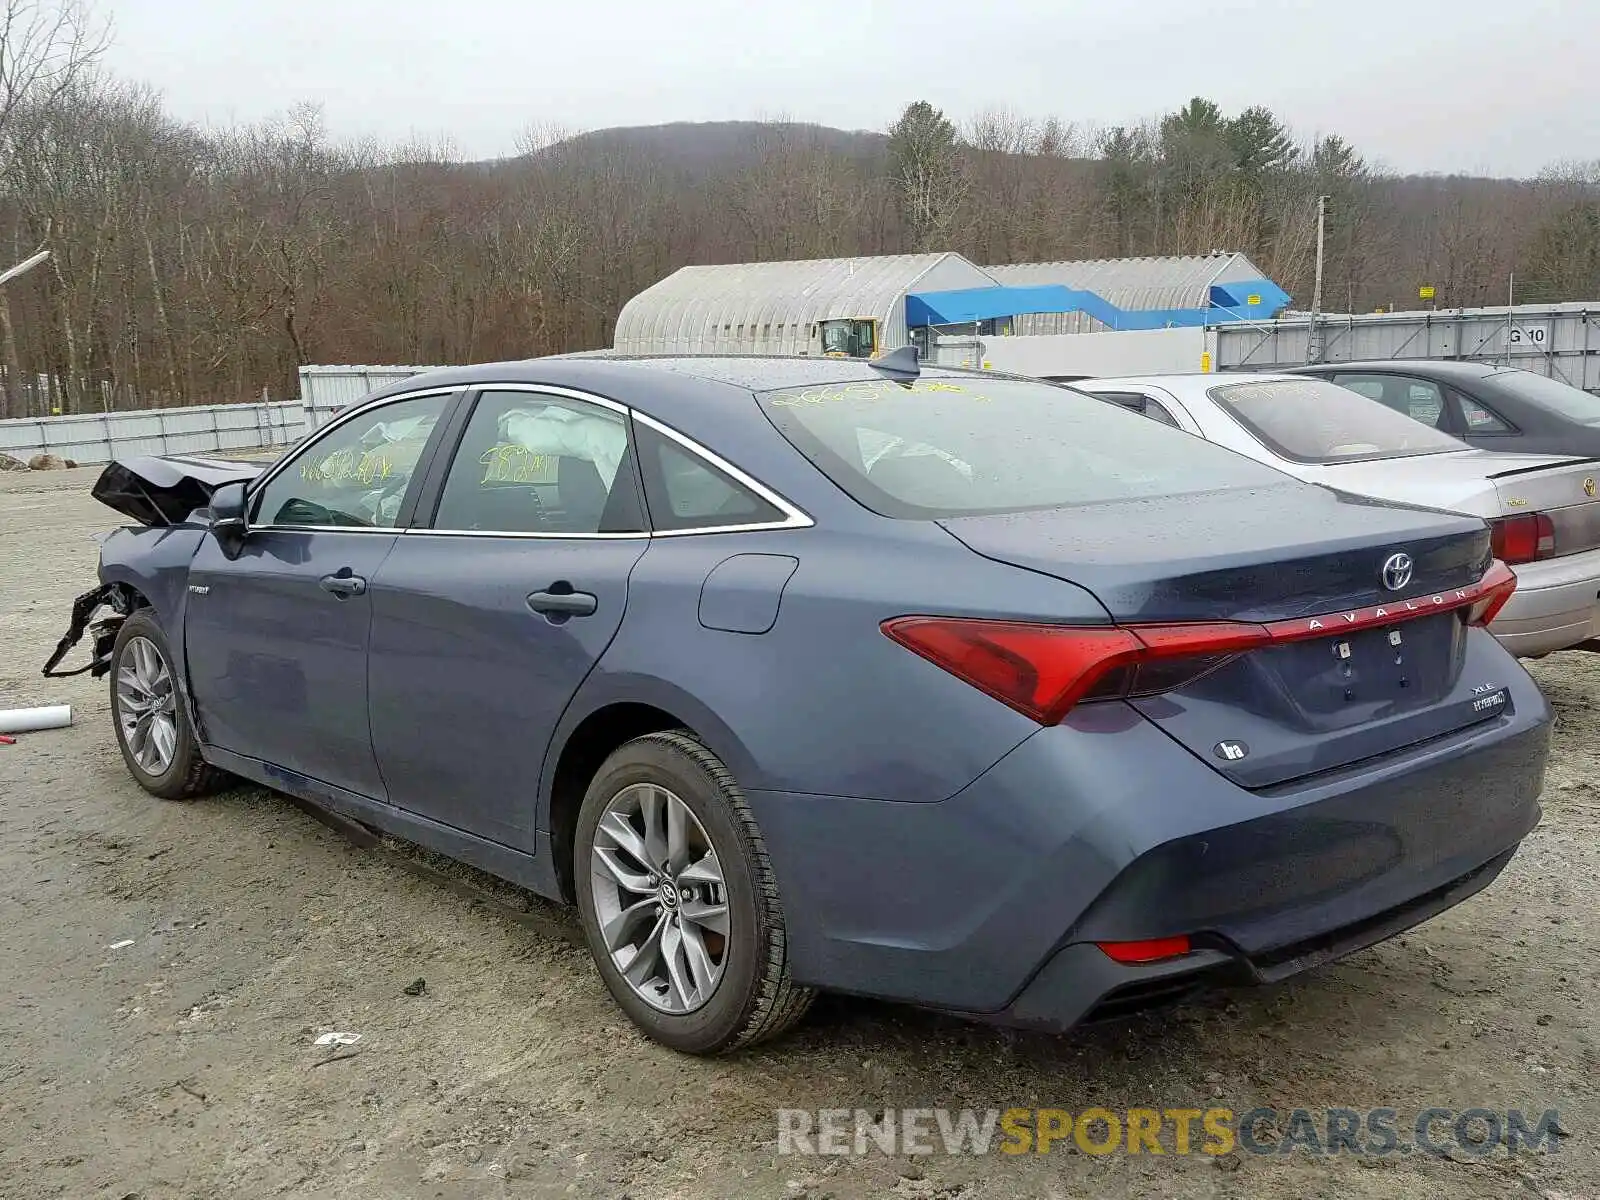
x=354, y=476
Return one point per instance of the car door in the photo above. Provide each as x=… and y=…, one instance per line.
x=489, y=614
x=276, y=638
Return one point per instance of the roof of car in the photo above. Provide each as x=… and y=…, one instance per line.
x=1444, y=368
x=1092, y=382
x=756, y=373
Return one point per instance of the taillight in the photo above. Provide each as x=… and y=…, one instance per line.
x=1524, y=538
x=1495, y=588
x=1043, y=670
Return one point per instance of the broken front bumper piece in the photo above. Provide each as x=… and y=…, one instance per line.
x=112, y=595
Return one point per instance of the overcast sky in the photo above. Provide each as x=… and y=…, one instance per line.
x=1487, y=86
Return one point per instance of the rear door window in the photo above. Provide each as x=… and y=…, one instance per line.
x=958, y=445
x=534, y=462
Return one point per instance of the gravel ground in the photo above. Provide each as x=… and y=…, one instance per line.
x=183, y=1064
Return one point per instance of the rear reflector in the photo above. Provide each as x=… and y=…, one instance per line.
x=1524, y=538
x=1152, y=950
x=1042, y=670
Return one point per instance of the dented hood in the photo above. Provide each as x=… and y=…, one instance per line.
x=164, y=489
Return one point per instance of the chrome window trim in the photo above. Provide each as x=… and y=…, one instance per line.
x=325, y=529
x=793, y=516
x=259, y=484
x=416, y=531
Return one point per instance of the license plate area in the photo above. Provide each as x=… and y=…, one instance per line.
x=1384, y=668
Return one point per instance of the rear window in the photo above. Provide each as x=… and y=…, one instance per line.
x=1573, y=403
x=1314, y=421
x=963, y=446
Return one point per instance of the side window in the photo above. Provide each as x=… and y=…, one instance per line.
x=355, y=475
x=1157, y=412
x=1477, y=419
x=1418, y=399
x=531, y=462
x=1140, y=403
x=1136, y=401
x=686, y=492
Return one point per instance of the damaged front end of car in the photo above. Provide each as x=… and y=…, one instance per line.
x=120, y=598
x=160, y=492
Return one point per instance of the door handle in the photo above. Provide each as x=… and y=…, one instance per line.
x=343, y=585
x=566, y=603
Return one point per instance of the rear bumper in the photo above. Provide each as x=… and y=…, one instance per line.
x=1080, y=985
x=1556, y=605
x=1105, y=829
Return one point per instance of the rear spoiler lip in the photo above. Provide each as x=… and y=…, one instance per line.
x=1514, y=471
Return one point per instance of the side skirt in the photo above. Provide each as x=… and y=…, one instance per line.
x=525, y=870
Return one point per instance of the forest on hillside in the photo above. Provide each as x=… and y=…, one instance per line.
x=193, y=265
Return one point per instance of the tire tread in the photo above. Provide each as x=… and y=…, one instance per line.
x=780, y=1003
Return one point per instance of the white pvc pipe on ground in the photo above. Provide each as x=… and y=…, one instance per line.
x=27, y=720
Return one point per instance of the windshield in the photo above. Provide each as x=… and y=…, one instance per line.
x=958, y=446
x=1573, y=403
x=1314, y=421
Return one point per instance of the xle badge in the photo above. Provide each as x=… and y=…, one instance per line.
x=1230, y=751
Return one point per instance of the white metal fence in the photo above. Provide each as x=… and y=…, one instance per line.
x=101, y=437
x=1558, y=340
x=325, y=390
x=206, y=429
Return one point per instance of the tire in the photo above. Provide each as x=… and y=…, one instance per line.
x=178, y=773
x=753, y=997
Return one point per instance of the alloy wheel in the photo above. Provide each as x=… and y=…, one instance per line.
x=660, y=898
x=146, y=706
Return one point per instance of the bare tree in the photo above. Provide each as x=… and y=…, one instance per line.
x=45, y=47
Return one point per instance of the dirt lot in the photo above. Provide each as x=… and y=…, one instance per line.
x=182, y=1065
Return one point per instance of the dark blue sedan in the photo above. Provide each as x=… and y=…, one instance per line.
x=797, y=674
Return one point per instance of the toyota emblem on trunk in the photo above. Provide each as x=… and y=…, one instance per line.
x=1397, y=571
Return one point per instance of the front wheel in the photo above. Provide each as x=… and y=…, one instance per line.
x=150, y=717
x=678, y=900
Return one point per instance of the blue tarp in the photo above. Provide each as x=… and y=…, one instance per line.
x=1254, y=299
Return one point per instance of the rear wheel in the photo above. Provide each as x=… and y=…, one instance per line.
x=150, y=717
x=678, y=900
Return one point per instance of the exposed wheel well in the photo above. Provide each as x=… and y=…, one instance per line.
x=591, y=743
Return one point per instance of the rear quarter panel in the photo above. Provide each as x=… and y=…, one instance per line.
x=823, y=702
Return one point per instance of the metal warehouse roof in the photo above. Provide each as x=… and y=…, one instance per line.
x=709, y=304
x=1137, y=283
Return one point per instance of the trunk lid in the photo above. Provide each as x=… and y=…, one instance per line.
x=1565, y=492
x=1247, y=554
x=1274, y=554
x=165, y=489
x=1486, y=483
